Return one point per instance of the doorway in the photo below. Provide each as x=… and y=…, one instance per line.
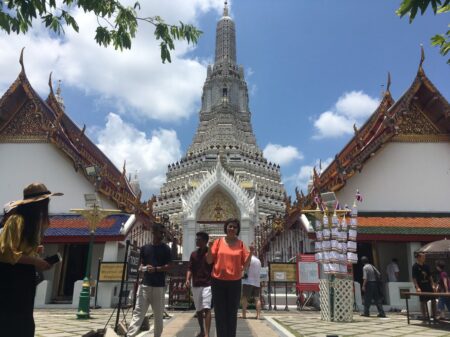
x=73, y=269
x=364, y=249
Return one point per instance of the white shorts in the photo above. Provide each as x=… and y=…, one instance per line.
x=202, y=297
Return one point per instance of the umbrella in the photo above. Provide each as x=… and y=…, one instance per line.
x=441, y=247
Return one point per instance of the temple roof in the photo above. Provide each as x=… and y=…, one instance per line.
x=63, y=226
x=390, y=228
x=421, y=114
x=26, y=118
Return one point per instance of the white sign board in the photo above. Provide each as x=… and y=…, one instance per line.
x=308, y=272
x=264, y=275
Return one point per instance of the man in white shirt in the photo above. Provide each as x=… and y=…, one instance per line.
x=251, y=286
x=393, y=271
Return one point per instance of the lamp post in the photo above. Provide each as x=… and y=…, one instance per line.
x=93, y=214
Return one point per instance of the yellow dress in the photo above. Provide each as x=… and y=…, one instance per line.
x=12, y=245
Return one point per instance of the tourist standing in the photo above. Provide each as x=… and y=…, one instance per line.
x=155, y=262
x=251, y=287
x=200, y=272
x=393, y=271
x=370, y=287
x=20, y=244
x=443, y=287
x=229, y=257
x=424, y=283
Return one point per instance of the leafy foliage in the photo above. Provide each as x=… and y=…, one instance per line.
x=412, y=7
x=117, y=24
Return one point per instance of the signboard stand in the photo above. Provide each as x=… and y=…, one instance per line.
x=308, y=271
x=121, y=285
x=280, y=272
x=179, y=295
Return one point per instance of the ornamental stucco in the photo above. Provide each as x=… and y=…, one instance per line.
x=218, y=178
x=224, y=135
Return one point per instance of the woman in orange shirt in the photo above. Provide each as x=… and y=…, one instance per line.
x=229, y=257
x=20, y=244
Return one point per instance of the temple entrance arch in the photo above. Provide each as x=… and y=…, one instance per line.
x=217, y=198
x=216, y=207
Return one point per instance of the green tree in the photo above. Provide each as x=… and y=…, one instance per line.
x=412, y=7
x=117, y=24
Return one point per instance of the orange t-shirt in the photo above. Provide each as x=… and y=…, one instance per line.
x=228, y=261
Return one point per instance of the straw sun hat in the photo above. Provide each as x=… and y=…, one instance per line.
x=33, y=193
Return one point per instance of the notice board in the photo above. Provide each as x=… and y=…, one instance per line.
x=282, y=272
x=307, y=273
x=110, y=272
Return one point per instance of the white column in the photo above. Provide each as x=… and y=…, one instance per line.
x=106, y=290
x=411, y=247
x=188, y=238
x=244, y=235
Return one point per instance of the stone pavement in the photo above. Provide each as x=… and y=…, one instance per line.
x=308, y=324
x=63, y=323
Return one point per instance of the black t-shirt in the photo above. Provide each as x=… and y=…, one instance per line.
x=422, y=275
x=157, y=256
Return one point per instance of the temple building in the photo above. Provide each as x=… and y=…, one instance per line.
x=40, y=143
x=224, y=173
x=399, y=160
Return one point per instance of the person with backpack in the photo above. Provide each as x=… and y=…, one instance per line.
x=443, y=287
x=371, y=288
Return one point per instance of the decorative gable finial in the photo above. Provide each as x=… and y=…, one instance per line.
x=422, y=58
x=50, y=84
x=21, y=60
x=388, y=85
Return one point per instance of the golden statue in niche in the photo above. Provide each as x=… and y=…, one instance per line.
x=217, y=206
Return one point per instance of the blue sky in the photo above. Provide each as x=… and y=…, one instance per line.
x=313, y=69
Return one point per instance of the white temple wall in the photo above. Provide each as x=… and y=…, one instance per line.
x=43, y=162
x=403, y=177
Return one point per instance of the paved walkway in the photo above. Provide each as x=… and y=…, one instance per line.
x=308, y=324
x=63, y=323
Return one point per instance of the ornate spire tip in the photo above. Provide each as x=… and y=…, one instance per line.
x=225, y=8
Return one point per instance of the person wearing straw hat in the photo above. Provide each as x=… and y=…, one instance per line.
x=23, y=227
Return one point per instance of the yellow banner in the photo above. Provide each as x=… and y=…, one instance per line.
x=111, y=272
x=283, y=272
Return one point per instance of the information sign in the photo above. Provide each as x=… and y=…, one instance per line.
x=133, y=264
x=110, y=272
x=264, y=275
x=307, y=273
x=282, y=272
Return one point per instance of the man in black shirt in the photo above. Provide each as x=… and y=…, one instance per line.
x=424, y=283
x=155, y=262
x=200, y=271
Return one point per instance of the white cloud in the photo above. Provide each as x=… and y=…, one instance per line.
x=352, y=107
x=330, y=124
x=356, y=104
x=281, y=155
x=303, y=176
x=148, y=155
x=134, y=80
